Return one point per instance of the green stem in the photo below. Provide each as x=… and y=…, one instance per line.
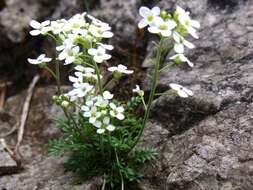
x=109, y=83
x=121, y=176
x=144, y=103
x=152, y=93
x=51, y=72
x=58, y=77
x=100, y=87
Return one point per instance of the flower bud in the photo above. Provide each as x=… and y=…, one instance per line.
x=65, y=104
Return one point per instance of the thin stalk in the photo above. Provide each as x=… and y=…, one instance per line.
x=152, y=93
x=58, y=77
x=109, y=83
x=100, y=87
x=121, y=176
x=144, y=103
x=51, y=72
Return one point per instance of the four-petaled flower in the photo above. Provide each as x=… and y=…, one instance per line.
x=138, y=91
x=39, y=28
x=117, y=111
x=92, y=113
x=181, y=91
x=41, y=59
x=189, y=24
x=181, y=58
x=121, y=69
x=162, y=27
x=99, y=54
x=148, y=16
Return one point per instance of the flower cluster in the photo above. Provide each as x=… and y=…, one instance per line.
x=79, y=42
x=178, y=25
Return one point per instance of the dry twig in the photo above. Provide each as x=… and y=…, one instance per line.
x=25, y=113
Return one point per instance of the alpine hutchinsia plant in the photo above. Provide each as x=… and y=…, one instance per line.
x=100, y=132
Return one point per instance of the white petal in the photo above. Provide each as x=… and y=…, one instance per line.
x=45, y=23
x=35, y=24
x=63, y=55
x=69, y=60
x=110, y=128
x=176, y=37
x=97, y=124
x=176, y=87
x=86, y=114
x=190, y=63
x=166, y=33
x=179, y=48
x=47, y=59
x=195, y=24
x=188, y=44
x=79, y=68
x=171, y=24
x=182, y=94
x=142, y=23
x=189, y=92
x=192, y=31
x=144, y=11
x=33, y=61
x=98, y=59
x=120, y=109
x=107, y=95
x=156, y=11
x=92, y=51
x=107, y=34
x=153, y=29
x=35, y=32
x=112, y=113
x=106, y=56
x=120, y=116
x=106, y=120
x=158, y=21
x=100, y=131
x=112, y=69
x=92, y=119
x=112, y=105
x=174, y=57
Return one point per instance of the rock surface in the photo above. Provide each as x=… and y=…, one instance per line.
x=205, y=142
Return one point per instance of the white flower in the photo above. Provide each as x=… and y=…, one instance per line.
x=69, y=55
x=181, y=91
x=148, y=15
x=80, y=90
x=162, y=27
x=102, y=31
x=92, y=113
x=180, y=43
x=41, y=59
x=106, y=46
x=181, y=57
x=121, y=69
x=101, y=101
x=75, y=22
x=189, y=24
x=138, y=91
x=40, y=28
x=107, y=95
x=106, y=122
x=99, y=54
x=117, y=111
x=57, y=26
